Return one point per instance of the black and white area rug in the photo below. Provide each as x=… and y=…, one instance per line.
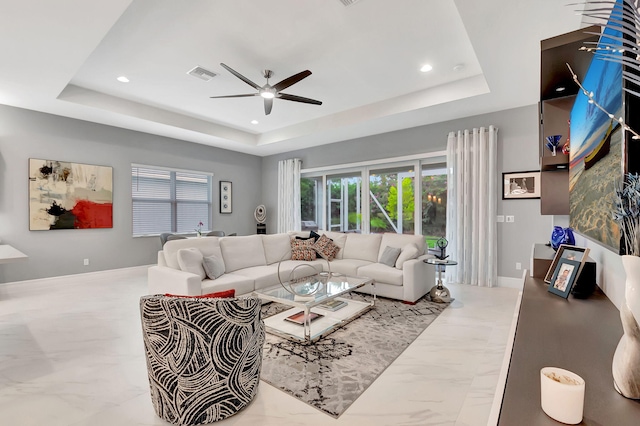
x=332, y=373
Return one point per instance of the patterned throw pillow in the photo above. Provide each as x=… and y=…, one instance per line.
x=326, y=248
x=302, y=250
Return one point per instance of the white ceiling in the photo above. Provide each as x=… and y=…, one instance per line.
x=63, y=58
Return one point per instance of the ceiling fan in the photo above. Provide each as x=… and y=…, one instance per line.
x=269, y=92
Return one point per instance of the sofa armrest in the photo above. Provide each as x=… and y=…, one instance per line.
x=418, y=278
x=161, y=259
x=162, y=279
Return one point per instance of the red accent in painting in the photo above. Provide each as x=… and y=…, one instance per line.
x=92, y=215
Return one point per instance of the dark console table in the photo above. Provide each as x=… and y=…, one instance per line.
x=579, y=335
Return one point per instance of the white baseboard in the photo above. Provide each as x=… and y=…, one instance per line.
x=109, y=274
x=510, y=282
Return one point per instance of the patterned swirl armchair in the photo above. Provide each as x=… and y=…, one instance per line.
x=204, y=355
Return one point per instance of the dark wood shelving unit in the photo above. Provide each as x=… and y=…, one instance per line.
x=579, y=335
x=555, y=108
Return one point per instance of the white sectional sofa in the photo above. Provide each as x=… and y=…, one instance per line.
x=251, y=262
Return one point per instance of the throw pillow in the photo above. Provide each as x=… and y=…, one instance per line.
x=302, y=250
x=218, y=294
x=389, y=256
x=190, y=260
x=326, y=248
x=312, y=235
x=408, y=252
x=213, y=266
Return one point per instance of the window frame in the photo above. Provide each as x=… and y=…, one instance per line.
x=364, y=168
x=172, y=200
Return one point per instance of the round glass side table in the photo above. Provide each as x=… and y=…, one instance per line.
x=440, y=293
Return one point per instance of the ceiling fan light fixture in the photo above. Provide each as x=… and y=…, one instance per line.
x=267, y=94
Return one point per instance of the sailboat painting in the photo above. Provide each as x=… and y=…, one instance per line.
x=595, y=162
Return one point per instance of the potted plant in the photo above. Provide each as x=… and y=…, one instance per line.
x=626, y=360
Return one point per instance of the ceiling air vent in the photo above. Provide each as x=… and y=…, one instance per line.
x=202, y=73
x=348, y=2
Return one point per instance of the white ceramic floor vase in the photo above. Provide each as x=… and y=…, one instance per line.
x=626, y=360
x=562, y=395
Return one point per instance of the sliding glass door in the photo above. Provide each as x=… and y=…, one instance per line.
x=344, y=200
x=392, y=200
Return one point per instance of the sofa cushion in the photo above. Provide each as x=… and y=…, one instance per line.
x=190, y=260
x=242, y=285
x=242, y=252
x=302, y=250
x=338, y=239
x=277, y=247
x=389, y=256
x=348, y=266
x=362, y=246
x=392, y=239
x=408, y=252
x=326, y=248
x=213, y=266
x=381, y=273
x=206, y=245
x=263, y=276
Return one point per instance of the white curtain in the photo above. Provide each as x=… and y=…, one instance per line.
x=471, y=206
x=289, y=195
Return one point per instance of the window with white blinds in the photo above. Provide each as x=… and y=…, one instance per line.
x=167, y=200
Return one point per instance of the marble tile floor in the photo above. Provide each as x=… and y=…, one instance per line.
x=71, y=354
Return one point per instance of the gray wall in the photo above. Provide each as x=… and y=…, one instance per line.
x=27, y=134
x=517, y=151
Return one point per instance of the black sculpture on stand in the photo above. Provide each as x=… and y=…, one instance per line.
x=442, y=244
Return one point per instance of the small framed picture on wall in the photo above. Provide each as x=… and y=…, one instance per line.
x=225, y=196
x=520, y=185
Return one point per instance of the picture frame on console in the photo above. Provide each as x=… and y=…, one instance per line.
x=567, y=252
x=225, y=197
x=564, y=276
x=521, y=185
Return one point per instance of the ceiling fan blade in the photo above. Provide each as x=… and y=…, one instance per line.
x=268, y=104
x=235, y=96
x=289, y=81
x=241, y=77
x=298, y=99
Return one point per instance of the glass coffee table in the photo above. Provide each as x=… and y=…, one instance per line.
x=310, y=318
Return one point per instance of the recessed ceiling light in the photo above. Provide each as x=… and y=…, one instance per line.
x=561, y=89
x=254, y=121
x=123, y=79
x=426, y=68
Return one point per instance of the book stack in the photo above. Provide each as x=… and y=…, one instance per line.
x=333, y=305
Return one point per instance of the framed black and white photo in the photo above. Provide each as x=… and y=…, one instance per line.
x=567, y=252
x=225, y=196
x=563, y=277
x=520, y=185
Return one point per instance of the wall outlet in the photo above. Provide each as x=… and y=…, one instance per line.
x=518, y=266
x=510, y=219
x=500, y=218
x=86, y=262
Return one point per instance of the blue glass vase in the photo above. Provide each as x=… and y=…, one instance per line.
x=557, y=237
x=569, y=239
x=561, y=235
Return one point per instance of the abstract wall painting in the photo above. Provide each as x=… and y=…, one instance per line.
x=65, y=195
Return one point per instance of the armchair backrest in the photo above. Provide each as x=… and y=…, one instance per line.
x=204, y=355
